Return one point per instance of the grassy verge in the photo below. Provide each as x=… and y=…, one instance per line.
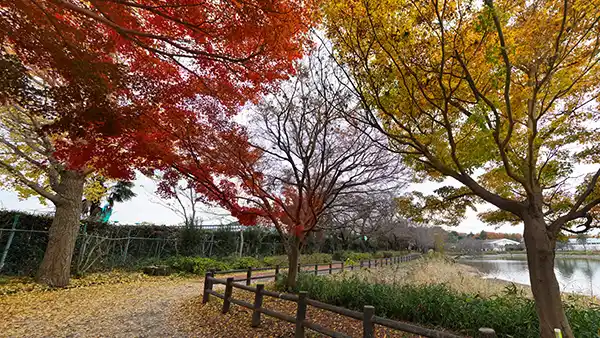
x=199, y=265
x=442, y=294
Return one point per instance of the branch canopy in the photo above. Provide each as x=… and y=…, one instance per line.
x=500, y=95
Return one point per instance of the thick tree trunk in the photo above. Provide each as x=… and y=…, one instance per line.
x=55, y=269
x=540, y=258
x=293, y=260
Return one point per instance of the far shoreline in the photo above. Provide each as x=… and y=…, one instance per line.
x=522, y=254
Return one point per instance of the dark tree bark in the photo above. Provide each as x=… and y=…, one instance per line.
x=541, y=246
x=293, y=260
x=55, y=269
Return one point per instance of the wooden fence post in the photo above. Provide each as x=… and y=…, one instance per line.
x=248, y=276
x=369, y=263
x=486, y=332
x=228, y=292
x=342, y=266
x=258, y=300
x=316, y=269
x=276, y=271
x=376, y=263
x=300, y=315
x=330, y=270
x=368, y=327
x=207, y=286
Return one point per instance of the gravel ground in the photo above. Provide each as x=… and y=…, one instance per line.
x=138, y=309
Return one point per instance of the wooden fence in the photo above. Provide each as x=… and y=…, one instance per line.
x=367, y=316
x=315, y=268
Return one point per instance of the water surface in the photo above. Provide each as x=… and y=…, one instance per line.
x=574, y=274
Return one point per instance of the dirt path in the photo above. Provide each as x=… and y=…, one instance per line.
x=151, y=307
x=138, y=309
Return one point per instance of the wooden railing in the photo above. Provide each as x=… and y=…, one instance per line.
x=367, y=316
x=316, y=268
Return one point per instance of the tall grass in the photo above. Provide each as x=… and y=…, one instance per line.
x=437, y=305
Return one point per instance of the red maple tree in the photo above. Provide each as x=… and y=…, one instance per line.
x=120, y=76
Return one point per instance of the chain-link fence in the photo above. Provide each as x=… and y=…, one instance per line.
x=23, y=239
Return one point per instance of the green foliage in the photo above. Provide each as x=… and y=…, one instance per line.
x=313, y=258
x=280, y=260
x=363, y=256
x=189, y=239
x=316, y=258
x=245, y=262
x=196, y=265
x=350, y=255
x=199, y=265
x=437, y=306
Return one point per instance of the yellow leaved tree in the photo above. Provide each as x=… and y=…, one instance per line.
x=500, y=96
x=28, y=166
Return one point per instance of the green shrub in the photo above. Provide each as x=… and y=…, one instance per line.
x=280, y=260
x=246, y=262
x=340, y=255
x=316, y=258
x=196, y=265
x=359, y=256
x=386, y=254
x=438, y=306
x=351, y=255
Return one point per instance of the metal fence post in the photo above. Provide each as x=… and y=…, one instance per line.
x=330, y=270
x=207, y=286
x=9, y=242
x=248, y=276
x=316, y=269
x=342, y=266
x=228, y=292
x=369, y=263
x=258, y=300
x=300, y=315
x=368, y=326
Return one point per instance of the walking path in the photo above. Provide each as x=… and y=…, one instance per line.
x=139, y=309
x=146, y=307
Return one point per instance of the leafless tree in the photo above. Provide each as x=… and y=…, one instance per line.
x=314, y=162
x=469, y=245
x=182, y=199
x=369, y=218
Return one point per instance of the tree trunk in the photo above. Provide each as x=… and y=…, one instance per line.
x=540, y=245
x=55, y=269
x=293, y=260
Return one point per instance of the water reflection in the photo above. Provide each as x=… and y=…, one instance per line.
x=574, y=275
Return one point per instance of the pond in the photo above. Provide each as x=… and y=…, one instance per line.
x=578, y=275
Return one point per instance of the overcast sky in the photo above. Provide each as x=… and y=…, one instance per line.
x=147, y=207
